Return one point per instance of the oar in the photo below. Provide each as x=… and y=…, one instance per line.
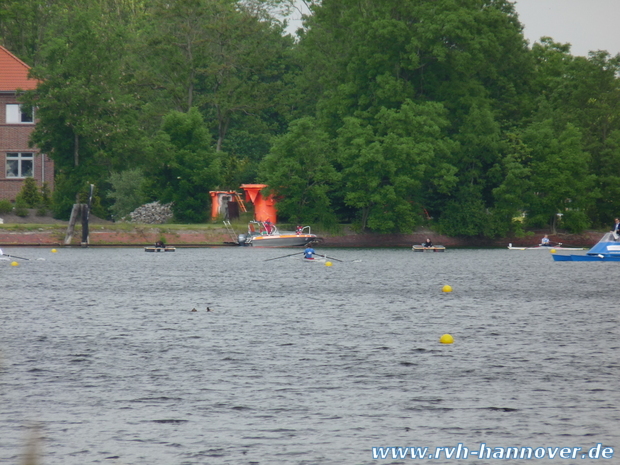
x=332, y=258
x=296, y=253
x=14, y=256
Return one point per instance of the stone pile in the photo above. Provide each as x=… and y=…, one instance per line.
x=152, y=213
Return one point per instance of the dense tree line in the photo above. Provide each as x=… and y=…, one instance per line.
x=382, y=114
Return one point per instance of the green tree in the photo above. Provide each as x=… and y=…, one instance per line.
x=585, y=92
x=24, y=25
x=126, y=192
x=560, y=179
x=369, y=60
x=221, y=56
x=515, y=192
x=300, y=173
x=377, y=54
x=466, y=210
x=183, y=167
x=389, y=166
x=86, y=117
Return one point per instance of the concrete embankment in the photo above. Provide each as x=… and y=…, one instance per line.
x=23, y=235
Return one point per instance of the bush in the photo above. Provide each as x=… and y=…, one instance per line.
x=29, y=196
x=5, y=207
x=46, y=195
x=21, y=208
x=41, y=210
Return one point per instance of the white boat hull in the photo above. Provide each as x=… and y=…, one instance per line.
x=282, y=240
x=545, y=248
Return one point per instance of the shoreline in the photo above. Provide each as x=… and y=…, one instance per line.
x=37, y=235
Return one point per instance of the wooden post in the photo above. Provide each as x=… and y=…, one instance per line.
x=86, y=217
x=85, y=231
x=70, y=229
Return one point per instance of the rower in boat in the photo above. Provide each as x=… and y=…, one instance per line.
x=428, y=244
x=309, y=253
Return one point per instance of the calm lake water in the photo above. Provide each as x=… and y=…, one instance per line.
x=303, y=363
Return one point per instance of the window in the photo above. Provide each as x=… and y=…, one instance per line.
x=19, y=165
x=16, y=114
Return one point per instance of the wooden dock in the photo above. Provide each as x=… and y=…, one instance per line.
x=421, y=248
x=160, y=249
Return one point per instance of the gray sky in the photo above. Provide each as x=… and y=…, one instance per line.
x=585, y=24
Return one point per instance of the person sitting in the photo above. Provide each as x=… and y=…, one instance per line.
x=268, y=226
x=545, y=241
x=428, y=243
x=160, y=245
x=309, y=253
x=298, y=229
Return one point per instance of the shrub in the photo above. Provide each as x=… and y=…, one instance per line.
x=5, y=207
x=46, y=195
x=29, y=195
x=21, y=208
x=41, y=210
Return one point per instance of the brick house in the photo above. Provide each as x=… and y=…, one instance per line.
x=17, y=159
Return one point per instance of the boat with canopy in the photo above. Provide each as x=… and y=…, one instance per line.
x=605, y=250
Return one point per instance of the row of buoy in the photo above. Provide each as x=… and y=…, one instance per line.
x=17, y=264
x=446, y=338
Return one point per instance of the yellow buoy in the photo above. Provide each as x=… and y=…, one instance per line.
x=14, y=263
x=446, y=339
x=328, y=263
x=54, y=250
x=552, y=250
x=447, y=288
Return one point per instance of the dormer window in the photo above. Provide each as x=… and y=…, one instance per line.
x=17, y=114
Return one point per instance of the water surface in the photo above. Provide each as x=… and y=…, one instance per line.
x=303, y=363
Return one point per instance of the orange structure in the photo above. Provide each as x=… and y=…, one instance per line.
x=264, y=208
x=221, y=200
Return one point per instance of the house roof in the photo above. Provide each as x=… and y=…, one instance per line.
x=14, y=73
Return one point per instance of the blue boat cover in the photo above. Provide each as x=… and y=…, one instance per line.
x=607, y=246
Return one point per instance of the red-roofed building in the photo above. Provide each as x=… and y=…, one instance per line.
x=17, y=159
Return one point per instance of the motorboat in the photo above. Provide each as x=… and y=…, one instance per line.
x=262, y=234
x=605, y=250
